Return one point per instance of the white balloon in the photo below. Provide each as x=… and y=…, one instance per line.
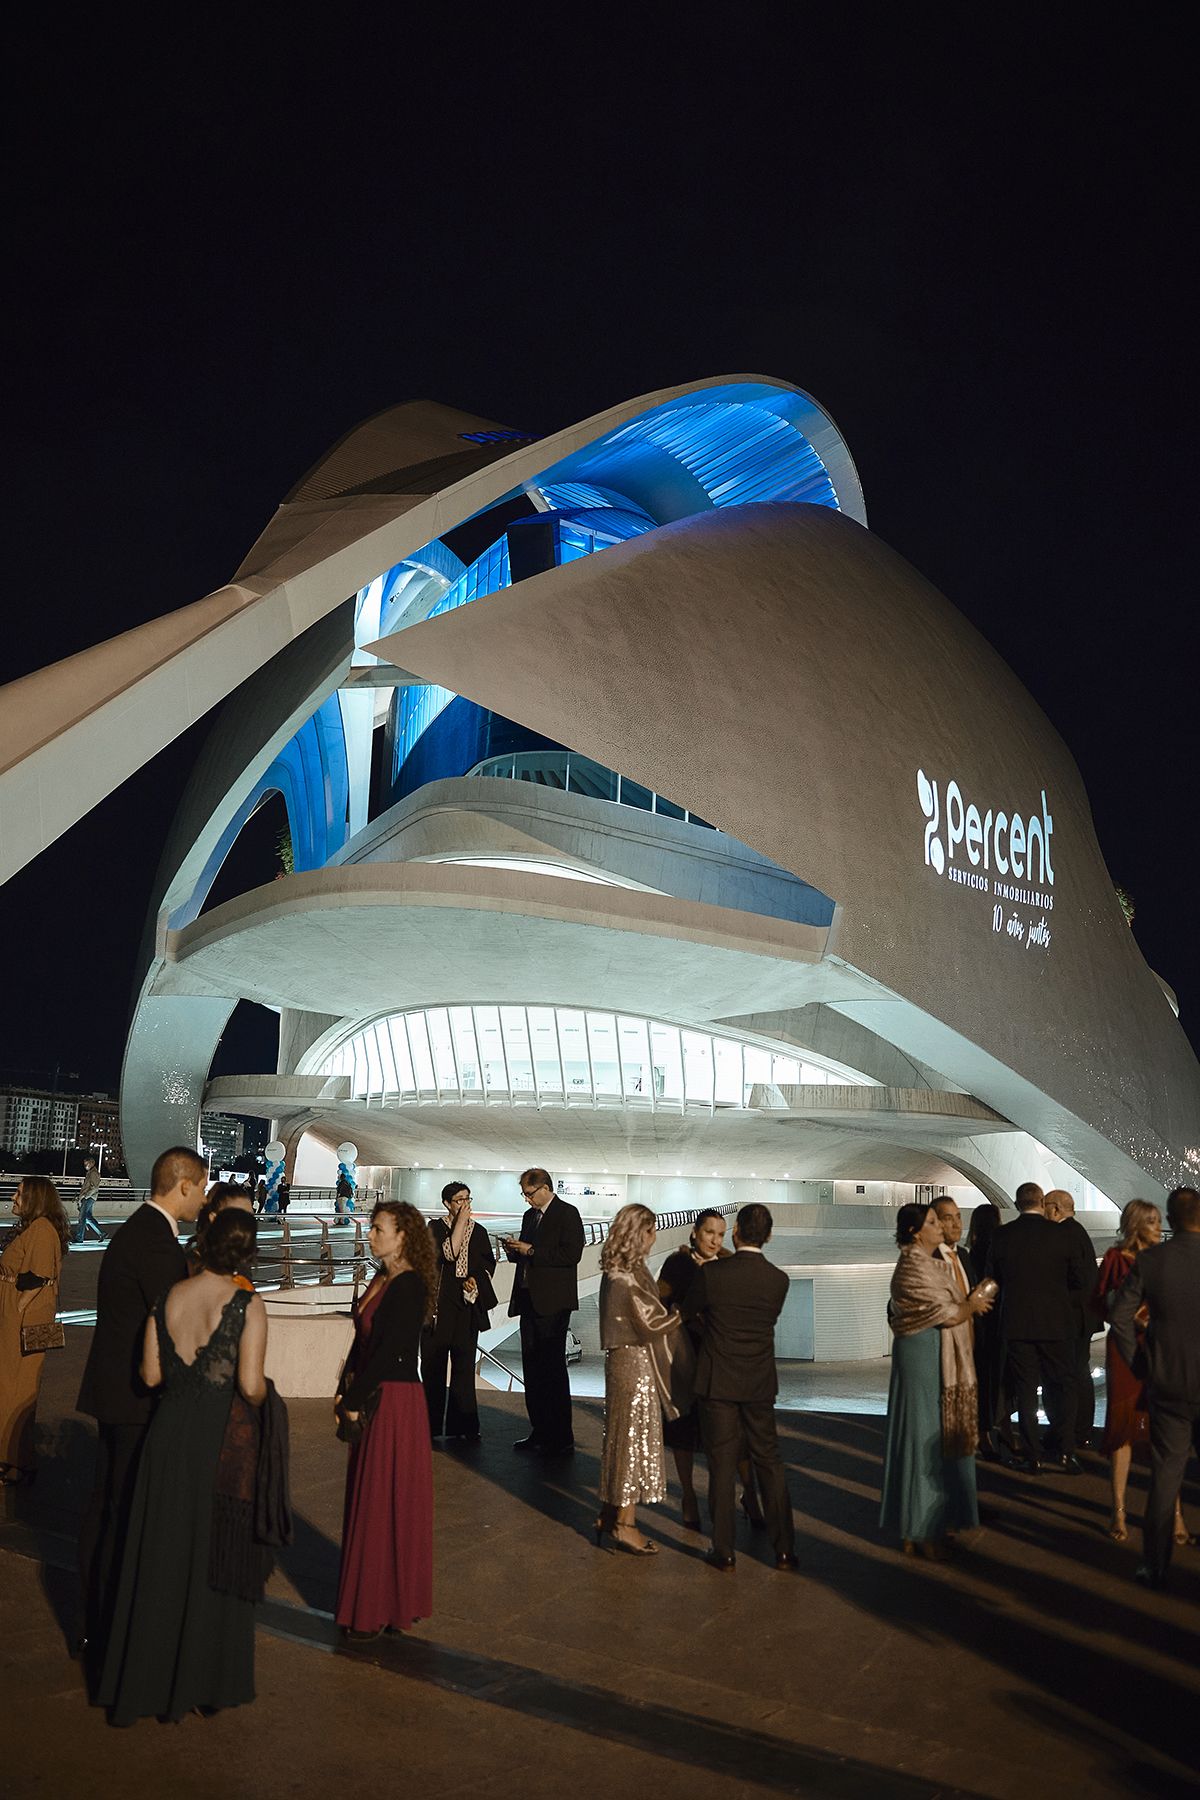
x=276, y=1151
x=347, y=1153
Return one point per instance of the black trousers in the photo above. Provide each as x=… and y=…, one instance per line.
x=1079, y=1350
x=1053, y=1363
x=1174, y=1432
x=544, y=1370
x=723, y=1425
x=453, y=1414
x=103, y=1530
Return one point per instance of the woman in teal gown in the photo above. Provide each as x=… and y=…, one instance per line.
x=177, y=1644
x=932, y=1420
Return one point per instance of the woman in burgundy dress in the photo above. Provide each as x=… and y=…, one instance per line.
x=386, y=1580
x=1126, y=1421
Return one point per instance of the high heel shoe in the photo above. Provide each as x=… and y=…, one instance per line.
x=1117, y=1530
x=645, y=1548
x=1180, y=1533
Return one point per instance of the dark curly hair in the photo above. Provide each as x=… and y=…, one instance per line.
x=230, y=1242
x=418, y=1245
x=909, y=1221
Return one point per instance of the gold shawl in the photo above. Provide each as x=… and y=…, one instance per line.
x=632, y=1313
x=925, y=1296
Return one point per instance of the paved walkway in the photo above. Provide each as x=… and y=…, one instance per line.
x=1031, y=1666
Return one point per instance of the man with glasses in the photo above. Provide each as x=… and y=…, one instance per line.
x=545, y=1294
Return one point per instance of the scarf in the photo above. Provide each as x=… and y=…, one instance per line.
x=459, y=1261
x=925, y=1297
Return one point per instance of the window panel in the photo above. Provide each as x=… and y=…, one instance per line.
x=516, y=1046
x=543, y=1039
x=572, y=1033
x=405, y=1079
x=809, y=1073
x=491, y=1048
x=602, y=1041
x=463, y=1027
x=727, y=1071
x=387, y=1061
x=785, y=1070
x=418, y=1039
x=437, y=1023
x=667, y=1062
x=697, y=1067
x=634, y=1041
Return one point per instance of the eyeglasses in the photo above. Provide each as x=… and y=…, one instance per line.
x=530, y=1192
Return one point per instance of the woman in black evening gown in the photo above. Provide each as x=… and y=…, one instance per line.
x=466, y=1264
x=177, y=1645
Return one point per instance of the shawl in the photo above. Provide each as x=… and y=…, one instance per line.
x=459, y=1261
x=925, y=1297
x=631, y=1313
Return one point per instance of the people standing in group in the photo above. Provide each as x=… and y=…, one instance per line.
x=386, y=1577
x=466, y=1263
x=1163, y=1287
x=647, y=1370
x=179, y=1639
x=89, y=1193
x=343, y=1199
x=1060, y=1210
x=545, y=1293
x=994, y=1413
x=142, y=1260
x=705, y=1243
x=1041, y=1268
x=30, y=1267
x=1127, y=1416
x=735, y=1302
x=933, y=1405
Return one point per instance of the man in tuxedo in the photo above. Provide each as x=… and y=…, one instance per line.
x=736, y=1301
x=545, y=1294
x=1165, y=1280
x=1039, y=1268
x=1060, y=1210
x=141, y=1261
x=950, y=1249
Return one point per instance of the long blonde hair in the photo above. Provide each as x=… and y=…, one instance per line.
x=1136, y=1215
x=624, y=1245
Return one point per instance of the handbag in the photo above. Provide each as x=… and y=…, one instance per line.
x=352, y=1431
x=36, y=1338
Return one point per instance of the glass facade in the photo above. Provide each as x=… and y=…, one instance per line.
x=564, y=1056
x=573, y=774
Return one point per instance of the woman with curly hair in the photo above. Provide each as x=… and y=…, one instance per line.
x=386, y=1580
x=645, y=1358
x=29, y=1271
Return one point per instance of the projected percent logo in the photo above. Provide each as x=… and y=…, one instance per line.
x=992, y=852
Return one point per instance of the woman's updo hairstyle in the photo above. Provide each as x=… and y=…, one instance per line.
x=229, y=1242
x=909, y=1221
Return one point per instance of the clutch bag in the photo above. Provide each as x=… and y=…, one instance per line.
x=36, y=1338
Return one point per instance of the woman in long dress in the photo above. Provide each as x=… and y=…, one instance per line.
x=933, y=1406
x=1126, y=1415
x=466, y=1263
x=177, y=1644
x=386, y=1579
x=646, y=1366
x=989, y=1345
x=29, y=1272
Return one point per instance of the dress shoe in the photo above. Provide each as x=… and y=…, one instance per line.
x=786, y=1561
x=724, y=1564
x=565, y=1449
x=1148, y=1577
x=1066, y=1465
x=529, y=1446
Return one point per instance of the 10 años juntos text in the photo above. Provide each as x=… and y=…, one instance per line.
x=1034, y=937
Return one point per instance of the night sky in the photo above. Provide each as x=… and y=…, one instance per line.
x=967, y=236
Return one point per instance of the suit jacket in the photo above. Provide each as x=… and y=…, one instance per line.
x=481, y=1263
x=1081, y=1311
x=550, y=1275
x=1166, y=1280
x=736, y=1301
x=1046, y=1273
x=142, y=1260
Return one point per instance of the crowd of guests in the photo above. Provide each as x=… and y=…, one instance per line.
x=1005, y=1324
x=190, y=1497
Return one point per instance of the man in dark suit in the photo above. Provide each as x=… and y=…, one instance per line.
x=1060, y=1210
x=545, y=1294
x=950, y=1249
x=1166, y=1281
x=736, y=1301
x=1039, y=1268
x=141, y=1261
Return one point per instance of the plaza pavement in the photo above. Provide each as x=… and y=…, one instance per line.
x=1031, y=1666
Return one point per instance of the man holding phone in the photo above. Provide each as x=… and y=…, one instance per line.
x=545, y=1294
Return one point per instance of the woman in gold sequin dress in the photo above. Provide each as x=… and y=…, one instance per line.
x=647, y=1371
